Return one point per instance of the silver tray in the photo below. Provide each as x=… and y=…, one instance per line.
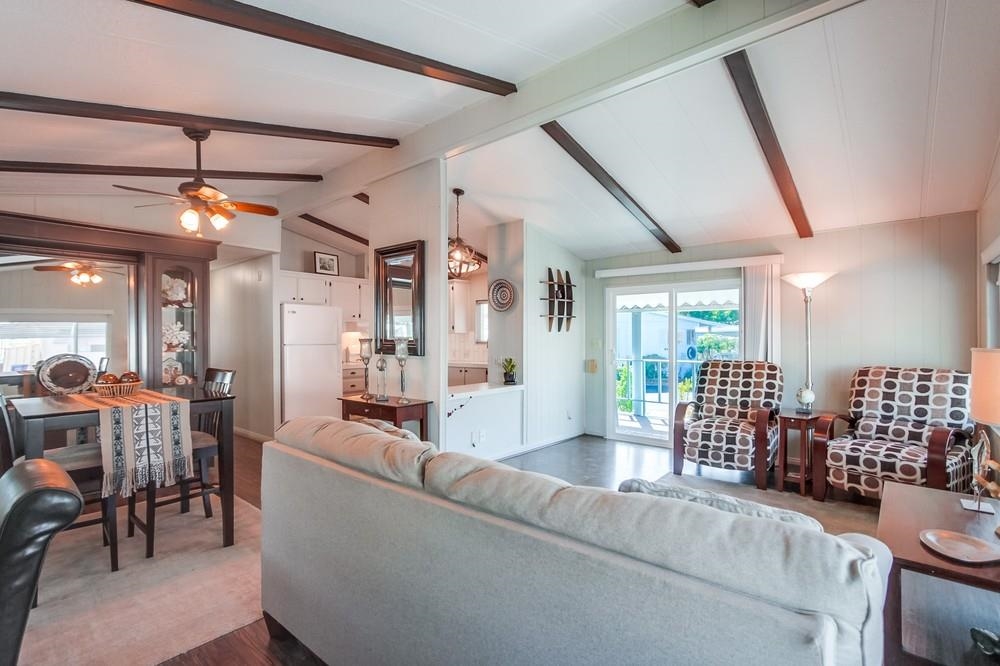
x=960, y=547
x=64, y=374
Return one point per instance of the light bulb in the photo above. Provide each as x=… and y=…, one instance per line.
x=96, y=279
x=75, y=279
x=218, y=221
x=84, y=277
x=190, y=220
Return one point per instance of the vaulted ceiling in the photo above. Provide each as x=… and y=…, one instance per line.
x=117, y=52
x=885, y=110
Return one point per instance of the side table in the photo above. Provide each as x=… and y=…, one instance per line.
x=806, y=425
x=392, y=411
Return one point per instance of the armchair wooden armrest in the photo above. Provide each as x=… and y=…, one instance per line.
x=680, y=426
x=760, y=418
x=822, y=435
x=937, y=455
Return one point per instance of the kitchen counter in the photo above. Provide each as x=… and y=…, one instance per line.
x=470, y=390
x=469, y=364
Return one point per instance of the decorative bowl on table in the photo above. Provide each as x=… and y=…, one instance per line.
x=111, y=386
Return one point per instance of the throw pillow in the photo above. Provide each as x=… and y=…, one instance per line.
x=720, y=501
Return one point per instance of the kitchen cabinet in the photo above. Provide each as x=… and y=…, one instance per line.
x=460, y=375
x=354, y=379
x=354, y=297
x=458, y=306
x=303, y=288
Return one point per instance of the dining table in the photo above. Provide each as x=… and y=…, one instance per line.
x=32, y=417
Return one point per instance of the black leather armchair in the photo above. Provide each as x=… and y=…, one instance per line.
x=37, y=501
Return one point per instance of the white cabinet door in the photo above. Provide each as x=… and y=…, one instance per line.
x=455, y=375
x=458, y=306
x=288, y=289
x=475, y=375
x=367, y=302
x=314, y=291
x=344, y=295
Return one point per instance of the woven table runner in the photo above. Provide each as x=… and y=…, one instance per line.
x=145, y=437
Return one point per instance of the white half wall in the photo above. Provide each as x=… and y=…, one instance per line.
x=243, y=338
x=405, y=207
x=904, y=294
x=555, y=392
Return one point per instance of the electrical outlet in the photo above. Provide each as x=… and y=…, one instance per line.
x=482, y=437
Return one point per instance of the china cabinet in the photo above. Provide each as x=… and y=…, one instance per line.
x=177, y=311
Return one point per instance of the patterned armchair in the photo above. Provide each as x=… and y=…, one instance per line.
x=732, y=424
x=910, y=425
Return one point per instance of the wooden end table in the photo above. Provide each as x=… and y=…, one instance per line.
x=392, y=411
x=806, y=425
x=908, y=510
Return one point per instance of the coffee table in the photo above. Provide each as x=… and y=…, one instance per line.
x=908, y=510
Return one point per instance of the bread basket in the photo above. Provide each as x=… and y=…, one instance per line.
x=118, y=390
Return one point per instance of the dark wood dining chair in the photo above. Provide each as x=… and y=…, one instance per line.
x=205, y=434
x=83, y=464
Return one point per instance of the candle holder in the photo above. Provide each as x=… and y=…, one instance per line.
x=402, y=353
x=366, y=357
x=380, y=366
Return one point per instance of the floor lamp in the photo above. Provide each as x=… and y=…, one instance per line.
x=807, y=282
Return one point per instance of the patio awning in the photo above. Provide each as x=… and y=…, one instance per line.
x=715, y=299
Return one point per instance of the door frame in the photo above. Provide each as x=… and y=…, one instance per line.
x=610, y=325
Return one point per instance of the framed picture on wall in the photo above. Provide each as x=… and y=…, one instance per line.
x=327, y=264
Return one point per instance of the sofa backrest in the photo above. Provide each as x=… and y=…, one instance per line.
x=732, y=389
x=906, y=404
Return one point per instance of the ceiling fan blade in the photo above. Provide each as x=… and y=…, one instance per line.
x=165, y=203
x=213, y=209
x=247, y=207
x=209, y=193
x=68, y=266
x=139, y=189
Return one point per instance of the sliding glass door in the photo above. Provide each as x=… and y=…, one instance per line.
x=657, y=336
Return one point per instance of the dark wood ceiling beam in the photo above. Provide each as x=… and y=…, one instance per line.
x=363, y=198
x=743, y=77
x=13, y=101
x=701, y=3
x=12, y=166
x=334, y=228
x=242, y=16
x=593, y=167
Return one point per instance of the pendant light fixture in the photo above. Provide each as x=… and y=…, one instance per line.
x=462, y=258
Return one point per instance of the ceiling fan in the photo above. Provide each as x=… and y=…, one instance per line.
x=80, y=273
x=201, y=198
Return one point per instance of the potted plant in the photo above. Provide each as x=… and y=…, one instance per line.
x=509, y=366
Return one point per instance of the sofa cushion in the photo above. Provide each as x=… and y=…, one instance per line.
x=726, y=443
x=390, y=429
x=721, y=502
x=783, y=564
x=359, y=447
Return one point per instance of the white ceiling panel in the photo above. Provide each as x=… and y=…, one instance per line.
x=528, y=176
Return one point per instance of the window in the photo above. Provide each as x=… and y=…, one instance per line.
x=25, y=343
x=482, y=321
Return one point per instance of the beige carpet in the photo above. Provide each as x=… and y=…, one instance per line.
x=191, y=592
x=836, y=517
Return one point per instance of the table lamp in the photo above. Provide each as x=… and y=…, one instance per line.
x=402, y=353
x=985, y=411
x=366, y=357
x=807, y=282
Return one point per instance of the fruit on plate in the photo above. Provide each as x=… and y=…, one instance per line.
x=107, y=378
x=129, y=377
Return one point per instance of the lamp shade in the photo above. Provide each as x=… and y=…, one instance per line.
x=985, y=390
x=807, y=280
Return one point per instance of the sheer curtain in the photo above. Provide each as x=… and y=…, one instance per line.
x=762, y=313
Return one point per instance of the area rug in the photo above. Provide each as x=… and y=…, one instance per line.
x=191, y=592
x=836, y=517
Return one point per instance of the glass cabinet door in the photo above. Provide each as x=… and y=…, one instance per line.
x=178, y=326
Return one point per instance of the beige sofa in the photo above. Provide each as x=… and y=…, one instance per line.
x=378, y=550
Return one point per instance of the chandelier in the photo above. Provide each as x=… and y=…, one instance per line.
x=462, y=257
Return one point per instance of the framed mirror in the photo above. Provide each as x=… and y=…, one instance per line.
x=399, y=297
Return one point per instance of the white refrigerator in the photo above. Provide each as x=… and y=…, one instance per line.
x=311, y=375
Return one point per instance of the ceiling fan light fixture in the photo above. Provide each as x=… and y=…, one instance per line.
x=75, y=279
x=218, y=221
x=462, y=257
x=190, y=221
x=96, y=279
x=84, y=277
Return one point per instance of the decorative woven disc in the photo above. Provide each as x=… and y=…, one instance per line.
x=501, y=295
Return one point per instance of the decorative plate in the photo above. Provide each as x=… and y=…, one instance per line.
x=501, y=295
x=66, y=373
x=960, y=547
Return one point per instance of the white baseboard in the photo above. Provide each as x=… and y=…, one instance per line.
x=255, y=436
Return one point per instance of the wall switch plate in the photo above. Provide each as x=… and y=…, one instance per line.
x=590, y=365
